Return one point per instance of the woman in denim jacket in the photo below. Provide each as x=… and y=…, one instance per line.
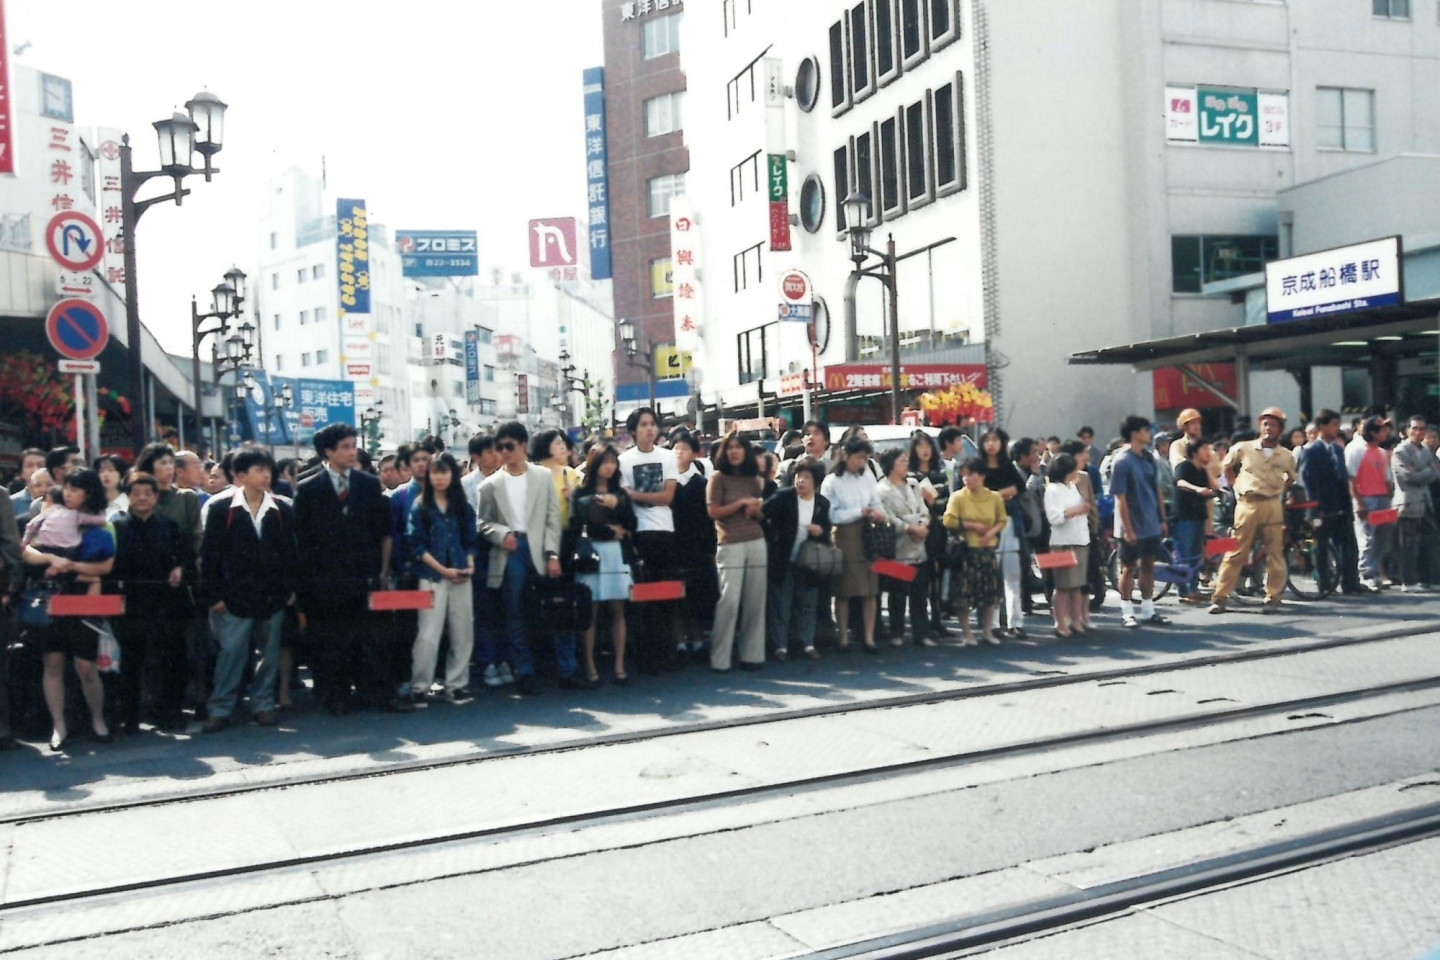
x=441, y=537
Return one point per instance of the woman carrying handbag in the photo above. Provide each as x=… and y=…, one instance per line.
x=796, y=520
x=602, y=521
x=902, y=500
x=855, y=506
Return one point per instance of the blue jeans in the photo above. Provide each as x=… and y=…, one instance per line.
x=237, y=637
x=487, y=614
x=1376, y=543
x=1190, y=550
x=795, y=588
x=518, y=571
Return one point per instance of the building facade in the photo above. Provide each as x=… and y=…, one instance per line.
x=443, y=314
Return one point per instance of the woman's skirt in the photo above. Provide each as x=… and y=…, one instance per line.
x=1076, y=577
x=857, y=580
x=980, y=584
x=612, y=581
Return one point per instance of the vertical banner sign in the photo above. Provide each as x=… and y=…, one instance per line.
x=522, y=393
x=597, y=178
x=107, y=204
x=353, y=256
x=776, y=163
x=685, y=265
x=7, y=103
x=472, y=366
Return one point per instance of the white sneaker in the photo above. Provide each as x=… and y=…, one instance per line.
x=506, y=677
x=492, y=677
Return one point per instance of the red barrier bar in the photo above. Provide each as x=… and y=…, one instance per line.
x=384, y=601
x=1307, y=505
x=657, y=592
x=85, y=605
x=904, y=572
x=1221, y=545
x=1056, y=560
x=1382, y=518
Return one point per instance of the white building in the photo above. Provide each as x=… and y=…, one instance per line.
x=441, y=314
x=1109, y=160
x=295, y=295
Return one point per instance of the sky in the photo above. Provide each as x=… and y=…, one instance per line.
x=441, y=114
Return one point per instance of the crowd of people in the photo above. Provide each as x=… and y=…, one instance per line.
x=541, y=557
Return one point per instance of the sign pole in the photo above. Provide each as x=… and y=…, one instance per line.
x=92, y=414
x=80, y=414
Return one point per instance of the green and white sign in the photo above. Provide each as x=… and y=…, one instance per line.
x=1228, y=116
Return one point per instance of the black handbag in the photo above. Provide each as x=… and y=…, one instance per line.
x=879, y=539
x=35, y=607
x=585, y=559
x=820, y=560
x=559, y=605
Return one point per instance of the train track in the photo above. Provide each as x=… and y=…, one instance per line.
x=726, y=797
x=1032, y=683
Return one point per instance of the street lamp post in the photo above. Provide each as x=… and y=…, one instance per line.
x=282, y=400
x=635, y=357
x=180, y=138
x=857, y=213
x=573, y=384
x=226, y=299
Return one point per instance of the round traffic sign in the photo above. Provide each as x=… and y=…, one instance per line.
x=74, y=241
x=77, y=329
x=795, y=287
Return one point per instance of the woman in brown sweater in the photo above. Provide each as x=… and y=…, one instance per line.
x=733, y=500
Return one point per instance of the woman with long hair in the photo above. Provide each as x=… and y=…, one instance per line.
x=734, y=501
x=71, y=637
x=441, y=535
x=1003, y=477
x=111, y=470
x=854, y=500
x=601, y=511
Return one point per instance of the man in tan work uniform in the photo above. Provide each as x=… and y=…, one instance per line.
x=1260, y=472
x=1190, y=424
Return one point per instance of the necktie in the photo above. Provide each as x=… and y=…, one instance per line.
x=343, y=487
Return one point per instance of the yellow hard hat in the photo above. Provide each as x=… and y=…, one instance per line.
x=1187, y=415
x=1275, y=412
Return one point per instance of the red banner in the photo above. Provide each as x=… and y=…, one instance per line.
x=780, y=226
x=913, y=376
x=7, y=102
x=1175, y=390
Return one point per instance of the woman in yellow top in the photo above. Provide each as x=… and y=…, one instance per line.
x=980, y=514
x=551, y=450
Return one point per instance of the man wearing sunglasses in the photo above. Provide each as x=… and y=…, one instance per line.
x=520, y=517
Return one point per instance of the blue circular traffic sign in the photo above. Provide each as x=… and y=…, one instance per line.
x=77, y=329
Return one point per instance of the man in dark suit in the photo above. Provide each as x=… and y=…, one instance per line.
x=1327, y=482
x=343, y=521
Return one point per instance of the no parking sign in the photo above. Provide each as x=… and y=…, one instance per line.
x=77, y=329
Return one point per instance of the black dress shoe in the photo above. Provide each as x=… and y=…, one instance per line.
x=751, y=667
x=526, y=685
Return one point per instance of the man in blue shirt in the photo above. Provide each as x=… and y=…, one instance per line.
x=1139, y=523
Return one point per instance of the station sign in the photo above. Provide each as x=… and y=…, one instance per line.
x=1363, y=276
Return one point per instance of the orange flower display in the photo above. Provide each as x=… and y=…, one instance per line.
x=959, y=405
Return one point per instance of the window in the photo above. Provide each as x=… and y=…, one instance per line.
x=274, y=281
x=322, y=356
x=274, y=240
x=807, y=84
x=812, y=203
x=887, y=64
x=662, y=189
x=742, y=87
x=660, y=36
x=320, y=314
x=1394, y=9
x=746, y=265
x=863, y=148
x=279, y=363
x=754, y=350
x=746, y=171
x=944, y=23
x=277, y=321
x=662, y=114
x=457, y=388
x=1345, y=119
x=919, y=175
x=949, y=115
x=842, y=187
x=304, y=317
x=300, y=275
x=489, y=374
x=862, y=70
x=304, y=359
x=731, y=12
x=317, y=272
x=839, y=72
x=892, y=168
x=487, y=335
x=913, y=41
x=382, y=360
x=662, y=279
x=1198, y=260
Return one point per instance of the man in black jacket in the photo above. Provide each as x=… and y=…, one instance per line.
x=1327, y=483
x=248, y=561
x=791, y=589
x=149, y=571
x=343, y=521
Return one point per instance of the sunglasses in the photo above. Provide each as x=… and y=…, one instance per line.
x=506, y=446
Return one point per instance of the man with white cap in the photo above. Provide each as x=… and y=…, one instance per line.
x=1260, y=472
x=1192, y=426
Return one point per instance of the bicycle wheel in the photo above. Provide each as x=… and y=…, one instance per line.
x=1312, y=572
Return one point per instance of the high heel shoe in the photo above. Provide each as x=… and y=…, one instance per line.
x=57, y=742
x=871, y=648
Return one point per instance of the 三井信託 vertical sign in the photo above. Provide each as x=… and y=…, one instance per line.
x=1227, y=116
x=7, y=104
x=107, y=203
x=597, y=177
x=685, y=273
x=472, y=366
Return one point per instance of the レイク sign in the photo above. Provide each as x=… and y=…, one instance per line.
x=1227, y=116
x=1343, y=280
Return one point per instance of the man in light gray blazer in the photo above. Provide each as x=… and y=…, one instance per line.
x=520, y=517
x=1415, y=468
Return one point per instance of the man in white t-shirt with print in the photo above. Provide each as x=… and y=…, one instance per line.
x=650, y=475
